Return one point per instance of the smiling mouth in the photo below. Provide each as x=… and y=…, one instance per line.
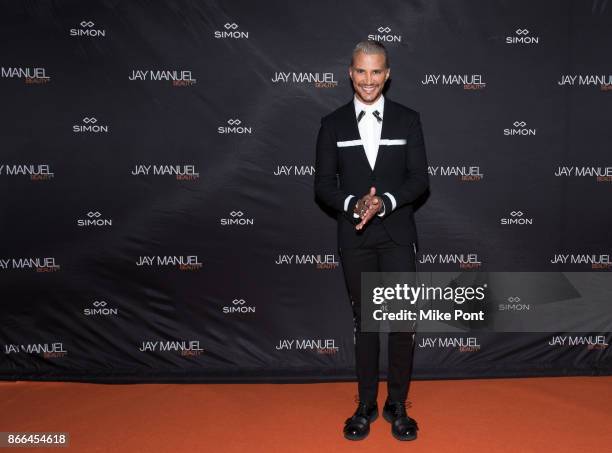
x=368, y=89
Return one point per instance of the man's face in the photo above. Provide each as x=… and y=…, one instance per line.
x=369, y=75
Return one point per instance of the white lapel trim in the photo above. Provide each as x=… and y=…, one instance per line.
x=391, y=142
x=349, y=143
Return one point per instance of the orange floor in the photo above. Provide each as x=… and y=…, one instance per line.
x=571, y=414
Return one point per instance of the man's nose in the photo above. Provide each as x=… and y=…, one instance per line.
x=368, y=78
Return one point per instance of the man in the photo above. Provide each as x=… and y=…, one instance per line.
x=370, y=169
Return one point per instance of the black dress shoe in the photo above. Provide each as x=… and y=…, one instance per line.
x=357, y=427
x=402, y=426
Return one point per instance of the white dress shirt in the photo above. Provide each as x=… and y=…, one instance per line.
x=369, y=127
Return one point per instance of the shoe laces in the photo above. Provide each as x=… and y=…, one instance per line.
x=398, y=409
x=363, y=407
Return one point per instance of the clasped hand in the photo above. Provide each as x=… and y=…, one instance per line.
x=367, y=207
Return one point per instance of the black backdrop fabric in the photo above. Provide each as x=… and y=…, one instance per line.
x=157, y=164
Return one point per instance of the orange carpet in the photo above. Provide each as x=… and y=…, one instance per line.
x=572, y=414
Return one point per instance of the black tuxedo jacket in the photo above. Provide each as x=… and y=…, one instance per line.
x=342, y=169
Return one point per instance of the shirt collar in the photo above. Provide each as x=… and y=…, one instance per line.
x=378, y=105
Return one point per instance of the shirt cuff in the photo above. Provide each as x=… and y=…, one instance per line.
x=393, y=201
x=347, y=201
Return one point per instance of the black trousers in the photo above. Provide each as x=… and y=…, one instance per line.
x=378, y=253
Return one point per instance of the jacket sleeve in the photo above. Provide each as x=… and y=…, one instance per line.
x=417, y=178
x=326, y=169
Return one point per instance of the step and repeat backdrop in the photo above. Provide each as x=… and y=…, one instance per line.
x=158, y=217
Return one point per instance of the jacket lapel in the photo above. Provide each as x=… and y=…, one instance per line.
x=351, y=121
